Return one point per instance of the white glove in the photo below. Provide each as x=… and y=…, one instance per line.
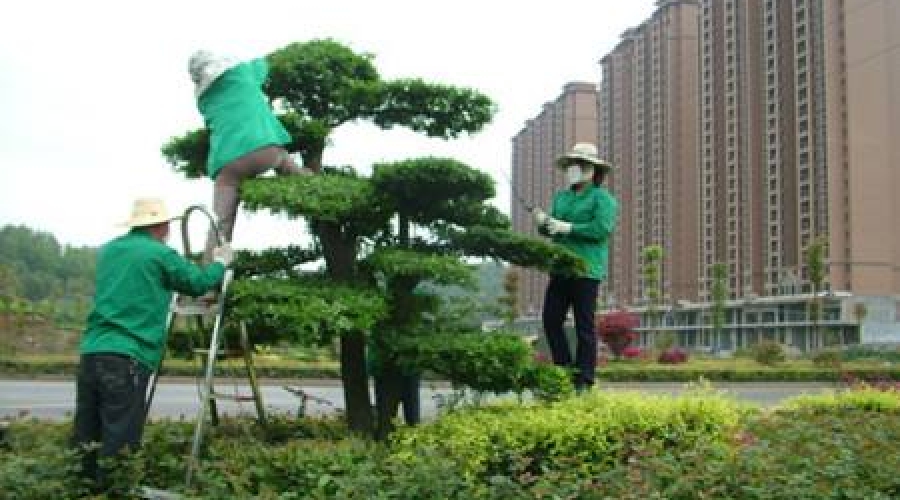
x=223, y=254
x=556, y=226
x=540, y=217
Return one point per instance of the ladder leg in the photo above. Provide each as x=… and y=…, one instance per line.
x=207, y=395
x=251, y=375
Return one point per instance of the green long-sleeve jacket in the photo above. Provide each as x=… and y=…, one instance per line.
x=238, y=115
x=136, y=275
x=593, y=212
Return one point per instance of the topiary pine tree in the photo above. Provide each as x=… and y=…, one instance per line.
x=379, y=236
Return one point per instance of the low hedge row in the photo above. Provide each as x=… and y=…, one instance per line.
x=596, y=446
x=177, y=368
x=625, y=372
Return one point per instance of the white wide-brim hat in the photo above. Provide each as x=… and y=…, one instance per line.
x=583, y=152
x=205, y=67
x=147, y=212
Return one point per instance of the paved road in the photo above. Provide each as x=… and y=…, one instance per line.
x=55, y=399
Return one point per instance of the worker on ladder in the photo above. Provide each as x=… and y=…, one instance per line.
x=125, y=337
x=246, y=139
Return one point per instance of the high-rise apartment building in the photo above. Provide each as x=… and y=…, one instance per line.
x=742, y=131
x=861, y=46
x=569, y=119
x=648, y=128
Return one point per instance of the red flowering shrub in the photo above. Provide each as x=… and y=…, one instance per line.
x=632, y=352
x=616, y=330
x=673, y=356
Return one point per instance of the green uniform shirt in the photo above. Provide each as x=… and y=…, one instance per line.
x=136, y=275
x=238, y=115
x=593, y=212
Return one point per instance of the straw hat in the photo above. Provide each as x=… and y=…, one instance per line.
x=205, y=67
x=147, y=212
x=583, y=152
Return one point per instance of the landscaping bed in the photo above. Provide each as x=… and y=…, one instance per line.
x=726, y=370
x=597, y=446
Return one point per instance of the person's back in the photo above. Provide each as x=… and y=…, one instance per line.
x=136, y=275
x=238, y=115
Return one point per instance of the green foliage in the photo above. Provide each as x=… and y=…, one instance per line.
x=187, y=154
x=437, y=110
x=495, y=362
x=333, y=198
x=34, y=266
x=768, y=353
x=597, y=446
x=309, y=310
x=324, y=80
x=517, y=249
x=455, y=191
x=308, y=137
x=590, y=429
x=863, y=352
x=827, y=358
x=867, y=399
x=273, y=261
x=441, y=269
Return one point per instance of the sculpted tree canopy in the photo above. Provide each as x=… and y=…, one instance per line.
x=381, y=236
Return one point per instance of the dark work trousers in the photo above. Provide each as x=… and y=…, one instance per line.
x=110, y=391
x=408, y=386
x=581, y=295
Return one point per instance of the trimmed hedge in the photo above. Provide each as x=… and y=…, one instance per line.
x=619, y=372
x=597, y=446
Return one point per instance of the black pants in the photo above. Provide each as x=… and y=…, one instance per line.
x=408, y=387
x=581, y=295
x=110, y=391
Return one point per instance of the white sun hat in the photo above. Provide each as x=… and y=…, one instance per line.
x=205, y=67
x=583, y=152
x=147, y=212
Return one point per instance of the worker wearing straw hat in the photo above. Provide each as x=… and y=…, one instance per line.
x=126, y=329
x=581, y=219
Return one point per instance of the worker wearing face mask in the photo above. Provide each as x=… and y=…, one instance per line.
x=582, y=218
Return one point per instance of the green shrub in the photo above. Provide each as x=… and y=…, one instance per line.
x=590, y=428
x=827, y=358
x=769, y=353
x=865, y=398
x=596, y=446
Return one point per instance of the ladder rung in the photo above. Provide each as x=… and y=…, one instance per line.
x=231, y=397
x=196, y=309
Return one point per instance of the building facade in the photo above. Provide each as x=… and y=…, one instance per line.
x=648, y=128
x=743, y=133
x=569, y=119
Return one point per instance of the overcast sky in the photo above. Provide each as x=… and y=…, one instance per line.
x=90, y=90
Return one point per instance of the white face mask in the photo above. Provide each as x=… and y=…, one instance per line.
x=576, y=175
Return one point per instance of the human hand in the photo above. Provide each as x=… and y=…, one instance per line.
x=223, y=254
x=540, y=217
x=556, y=226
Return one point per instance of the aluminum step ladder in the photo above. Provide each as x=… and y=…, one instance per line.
x=201, y=312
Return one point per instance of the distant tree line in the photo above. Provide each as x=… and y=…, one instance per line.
x=39, y=275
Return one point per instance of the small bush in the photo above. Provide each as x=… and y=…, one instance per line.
x=632, y=352
x=616, y=330
x=768, y=353
x=827, y=358
x=673, y=356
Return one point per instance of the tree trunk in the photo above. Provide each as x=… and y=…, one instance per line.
x=356, y=383
x=313, y=160
x=340, y=261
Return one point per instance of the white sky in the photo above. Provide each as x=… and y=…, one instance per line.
x=90, y=90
